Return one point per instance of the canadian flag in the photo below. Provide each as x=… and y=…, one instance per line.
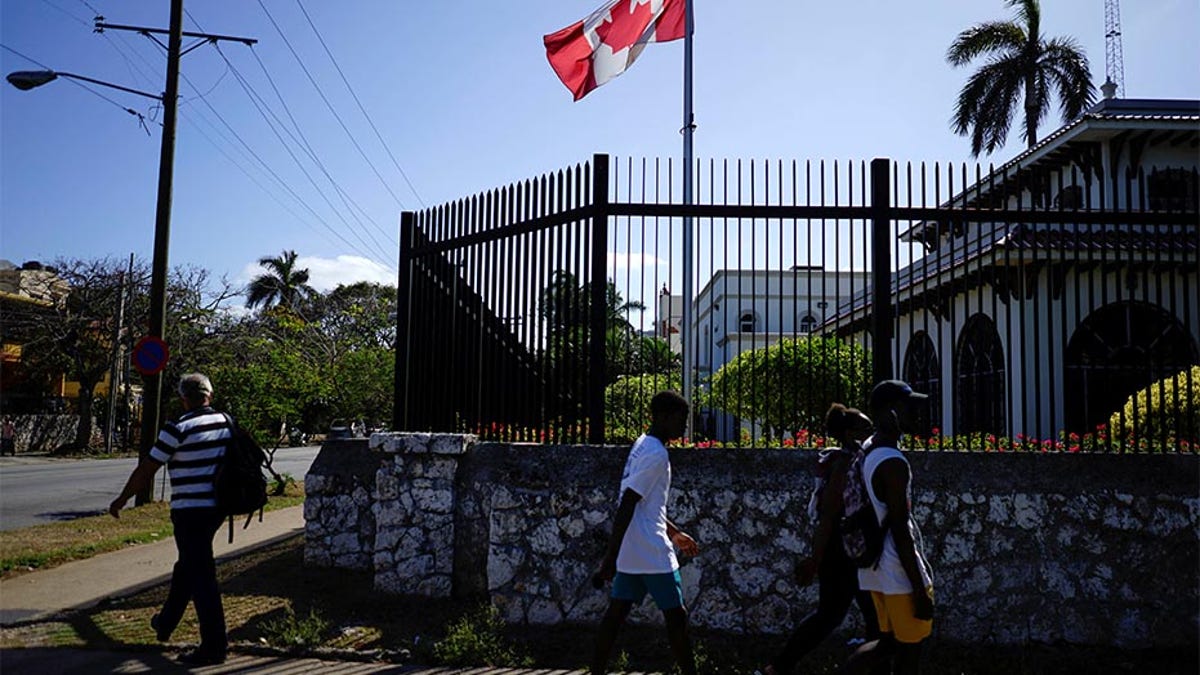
x=589, y=53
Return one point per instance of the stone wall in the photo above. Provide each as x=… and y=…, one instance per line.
x=46, y=433
x=1084, y=549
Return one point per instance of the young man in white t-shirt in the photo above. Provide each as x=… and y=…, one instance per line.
x=901, y=583
x=641, y=554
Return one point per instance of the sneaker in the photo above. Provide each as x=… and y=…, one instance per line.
x=197, y=657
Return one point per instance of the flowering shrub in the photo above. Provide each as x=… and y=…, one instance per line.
x=1098, y=440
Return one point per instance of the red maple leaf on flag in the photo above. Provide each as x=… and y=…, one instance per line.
x=625, y=24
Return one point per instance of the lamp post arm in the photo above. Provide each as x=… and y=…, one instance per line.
x=110, y=85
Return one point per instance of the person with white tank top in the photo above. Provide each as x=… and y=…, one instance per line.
x=901, y=584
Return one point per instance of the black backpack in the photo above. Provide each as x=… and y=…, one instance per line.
x=862, y=533
x=239, y=483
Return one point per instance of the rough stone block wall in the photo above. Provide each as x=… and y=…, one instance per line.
x=47, y=433
x=1086, y=549
x=414, y=513
x=339, y=500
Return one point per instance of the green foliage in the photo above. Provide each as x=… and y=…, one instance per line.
x=627, y=404
x=292, y=631
x=1021, y=71
x=281, y=284
x=1168, y=409
x=362, y=384
x=477, y=639
x=790, y=385
x=264, y=384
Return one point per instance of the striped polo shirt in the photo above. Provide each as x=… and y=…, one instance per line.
x=191, y=447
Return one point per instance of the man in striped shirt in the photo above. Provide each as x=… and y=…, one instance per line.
x=191, y=447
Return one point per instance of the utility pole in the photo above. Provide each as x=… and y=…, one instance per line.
x=114, y=373
x=152, y=384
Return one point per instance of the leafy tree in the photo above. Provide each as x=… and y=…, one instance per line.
x=789, y=385
x=71, y=334
x=362, y=384
x=267, y=383
x=627, y=403
x=1022, y=65
x=630, y=354
x=357, y=316
x=282, y=284
x=564, y=305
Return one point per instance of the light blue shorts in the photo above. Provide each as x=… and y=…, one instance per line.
x=665, y=588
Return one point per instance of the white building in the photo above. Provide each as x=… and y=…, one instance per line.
x=1042, y=328
x=1012, y=327
x=740, y=310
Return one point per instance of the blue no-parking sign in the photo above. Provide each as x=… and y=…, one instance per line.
x=150, y=355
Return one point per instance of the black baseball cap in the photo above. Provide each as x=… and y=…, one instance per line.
x=889, y=391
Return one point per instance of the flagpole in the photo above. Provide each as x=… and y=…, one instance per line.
x=685, y=330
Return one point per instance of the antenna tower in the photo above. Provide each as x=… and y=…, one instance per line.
x=1114, y=62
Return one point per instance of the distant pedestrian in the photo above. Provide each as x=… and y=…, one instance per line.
x=838, y=577
x=8, y=438
x=901, y=584
x=641, y=551
x=190, y=447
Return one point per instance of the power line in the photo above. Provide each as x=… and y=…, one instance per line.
x=330, y=106
x=131, y=111
x=252, y=95
x=312, y=154
x=68, y=14
x=360, y=105
x=263, y=109
x=254, y=180
x=266, y=167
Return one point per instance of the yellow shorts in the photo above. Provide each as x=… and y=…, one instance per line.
x=896, y=616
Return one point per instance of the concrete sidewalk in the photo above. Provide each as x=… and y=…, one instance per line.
x=84, y=583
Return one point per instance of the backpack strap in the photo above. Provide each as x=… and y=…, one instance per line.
x=232, y=431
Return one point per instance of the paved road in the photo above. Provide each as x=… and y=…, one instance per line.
x=36, y=490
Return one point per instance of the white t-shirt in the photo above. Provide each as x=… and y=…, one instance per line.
x=889, y=577
x=646, y=548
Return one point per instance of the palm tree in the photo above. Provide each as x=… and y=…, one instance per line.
x=1019, y=61
x=282, y=284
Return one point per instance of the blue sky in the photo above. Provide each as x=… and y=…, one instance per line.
x=463, y=96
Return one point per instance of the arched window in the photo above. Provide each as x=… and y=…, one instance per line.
x=923, y=371
x=1173, y=189
x=747, y=322
x=979, y=383
x=1117, y=350
x=808, y=323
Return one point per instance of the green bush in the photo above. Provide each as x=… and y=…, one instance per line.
x=790, y=385
x=1168, y=409
x=627, y=404
x=477, y=639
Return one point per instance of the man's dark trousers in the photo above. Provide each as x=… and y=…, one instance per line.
x=195, y=578
x=838, y=588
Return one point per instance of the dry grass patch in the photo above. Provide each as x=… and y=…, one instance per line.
x=272, y=584
x=52, y=544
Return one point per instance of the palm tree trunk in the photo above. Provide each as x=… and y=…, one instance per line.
x=1031, y=111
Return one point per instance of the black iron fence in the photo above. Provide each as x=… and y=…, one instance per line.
x=1032, y=303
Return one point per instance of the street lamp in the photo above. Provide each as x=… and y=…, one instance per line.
x=26, y=80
